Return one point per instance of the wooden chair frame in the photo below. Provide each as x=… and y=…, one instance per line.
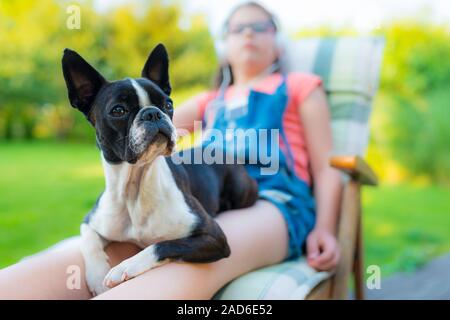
x=350, y=235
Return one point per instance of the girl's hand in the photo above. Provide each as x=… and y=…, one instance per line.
x=323, y=251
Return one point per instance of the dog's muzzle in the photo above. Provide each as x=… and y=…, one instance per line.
x=152, y=127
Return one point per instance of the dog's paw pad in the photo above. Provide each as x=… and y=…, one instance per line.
x=111, y=279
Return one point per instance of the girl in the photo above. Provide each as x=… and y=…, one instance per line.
x=287, y=218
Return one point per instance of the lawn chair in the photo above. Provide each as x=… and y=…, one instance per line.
x=349, y=68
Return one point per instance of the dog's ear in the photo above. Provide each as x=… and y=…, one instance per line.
x=82, y=80
x=157, y=68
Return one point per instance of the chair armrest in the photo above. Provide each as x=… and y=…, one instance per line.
x=356, y=167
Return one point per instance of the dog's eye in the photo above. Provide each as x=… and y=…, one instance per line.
x=118, y=111
x=168, y=105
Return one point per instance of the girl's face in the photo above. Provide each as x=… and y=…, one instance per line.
x=250, y=40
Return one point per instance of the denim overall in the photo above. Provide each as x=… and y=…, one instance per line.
x=283, y=188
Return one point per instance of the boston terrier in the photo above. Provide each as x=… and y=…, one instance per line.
x=164, y=207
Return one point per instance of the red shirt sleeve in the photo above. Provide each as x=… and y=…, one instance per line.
x=300, y=85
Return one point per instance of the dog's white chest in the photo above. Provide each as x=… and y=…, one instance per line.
x=143, y=207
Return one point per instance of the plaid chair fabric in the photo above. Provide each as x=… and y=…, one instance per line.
x=349, y=68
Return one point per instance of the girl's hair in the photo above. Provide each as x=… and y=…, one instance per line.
x=219, y=77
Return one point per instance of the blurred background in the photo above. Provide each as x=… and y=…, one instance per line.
x=50, y=171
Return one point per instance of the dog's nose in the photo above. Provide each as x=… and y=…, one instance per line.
x=151, y=114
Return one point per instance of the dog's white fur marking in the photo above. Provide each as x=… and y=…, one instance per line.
x=141, y=204
x=144, y=99
x=95, y=259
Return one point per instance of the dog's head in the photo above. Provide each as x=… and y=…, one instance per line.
x=132, y=117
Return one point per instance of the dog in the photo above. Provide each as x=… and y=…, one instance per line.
x=164, y=207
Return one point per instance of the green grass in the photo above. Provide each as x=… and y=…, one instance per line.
x=46, y=189
x=405, y=226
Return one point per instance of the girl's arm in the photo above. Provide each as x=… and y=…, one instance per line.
x=186, y=113
x=322, y=247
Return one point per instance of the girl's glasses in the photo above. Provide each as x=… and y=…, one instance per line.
x=257, y=27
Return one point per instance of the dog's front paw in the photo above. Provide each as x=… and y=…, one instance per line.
x=124, y=271
x=94, y=279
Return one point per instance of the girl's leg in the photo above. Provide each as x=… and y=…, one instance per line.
x=257, y=237
x=55, y=274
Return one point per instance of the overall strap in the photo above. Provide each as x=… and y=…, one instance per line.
x=290, y=162
x=219, y=100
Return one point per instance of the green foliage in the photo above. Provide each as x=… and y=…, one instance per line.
x=414, y=58
x=33, y=99
x=416, y=80
x=420, y=133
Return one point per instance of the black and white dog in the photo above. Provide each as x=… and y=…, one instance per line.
x=165, y=208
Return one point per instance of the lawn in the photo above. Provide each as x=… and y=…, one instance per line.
x=46, y=189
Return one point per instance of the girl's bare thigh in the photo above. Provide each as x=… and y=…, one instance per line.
x=257, y=237
x=55, y=274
